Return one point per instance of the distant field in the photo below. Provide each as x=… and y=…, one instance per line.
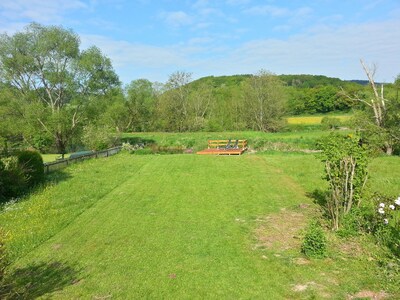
x=313, y=120
x=184, y=226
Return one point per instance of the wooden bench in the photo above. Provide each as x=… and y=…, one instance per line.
x=225, y=147
x=241, y=144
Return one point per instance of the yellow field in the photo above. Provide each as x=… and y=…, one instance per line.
x=314, y=120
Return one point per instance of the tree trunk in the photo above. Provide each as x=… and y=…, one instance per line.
x=388, y=149
x=61, y=145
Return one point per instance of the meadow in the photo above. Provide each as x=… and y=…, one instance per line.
x=189, y=226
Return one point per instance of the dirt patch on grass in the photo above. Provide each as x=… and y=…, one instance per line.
x=282, y=231
x=369, y=295
x=312, y=286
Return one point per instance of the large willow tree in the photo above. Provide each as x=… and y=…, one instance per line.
x=51, y=80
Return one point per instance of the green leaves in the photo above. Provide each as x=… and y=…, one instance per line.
x=314, y=242
x=346, y=162
x=44, y=66
x=264, y=101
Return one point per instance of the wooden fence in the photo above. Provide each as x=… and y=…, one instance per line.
x=62, y=163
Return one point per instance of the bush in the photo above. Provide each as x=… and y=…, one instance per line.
x=314, y=242
x=346, y=170
x=353, y=223
x=385, y=222
x=99, y=137
x=13, y=181
x=331, y=123
x=31, y=163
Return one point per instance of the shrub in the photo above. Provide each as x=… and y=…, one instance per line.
x=13, y=181
x=353, y=223
x=331, y=123
x=31, y=163
x=386, y=222
x=99, y=137
x=314, y=242
x=346, y=161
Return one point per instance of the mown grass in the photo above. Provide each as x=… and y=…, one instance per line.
x=179, y=226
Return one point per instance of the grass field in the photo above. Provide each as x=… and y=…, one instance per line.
x=185, y=226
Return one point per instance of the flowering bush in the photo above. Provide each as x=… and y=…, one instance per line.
x=389, y=212
x=387, y=227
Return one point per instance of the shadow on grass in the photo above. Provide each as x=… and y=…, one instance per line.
x=38, y=280
x=56, y=177
x=52, y=178
x=320, y=197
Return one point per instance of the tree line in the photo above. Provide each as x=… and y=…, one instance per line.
x=56, y=97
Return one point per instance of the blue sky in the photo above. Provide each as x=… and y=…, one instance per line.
x=152, y=39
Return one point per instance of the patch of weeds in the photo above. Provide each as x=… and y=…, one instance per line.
x=390, y=267
x=352, y=224
x=145, y=151
x=314, y=242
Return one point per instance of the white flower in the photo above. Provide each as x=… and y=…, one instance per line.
x=397, y=201
x=381, y=211
x=382, y=205
x=386, y=221
x=391, y=206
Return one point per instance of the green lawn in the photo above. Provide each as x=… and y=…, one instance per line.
x=180, y=226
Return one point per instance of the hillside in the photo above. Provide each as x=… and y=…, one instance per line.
x=300, y=80
x=306, y=94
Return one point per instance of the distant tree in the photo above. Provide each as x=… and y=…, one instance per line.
x=141, y=101
x=200, y=106
x=377, y=123
x=264, y=101
x=174, y=102
x=52, y=79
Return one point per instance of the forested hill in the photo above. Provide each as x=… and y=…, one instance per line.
x=306, y=94
x=299, y=81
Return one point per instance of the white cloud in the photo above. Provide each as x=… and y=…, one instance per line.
x=332, y=52
x=133, y=61
x=277, y=11
x=237, y=2
x=176, y=18
x=324, y=50
x=268, y=10
x=37, y=10
x=201, y=3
